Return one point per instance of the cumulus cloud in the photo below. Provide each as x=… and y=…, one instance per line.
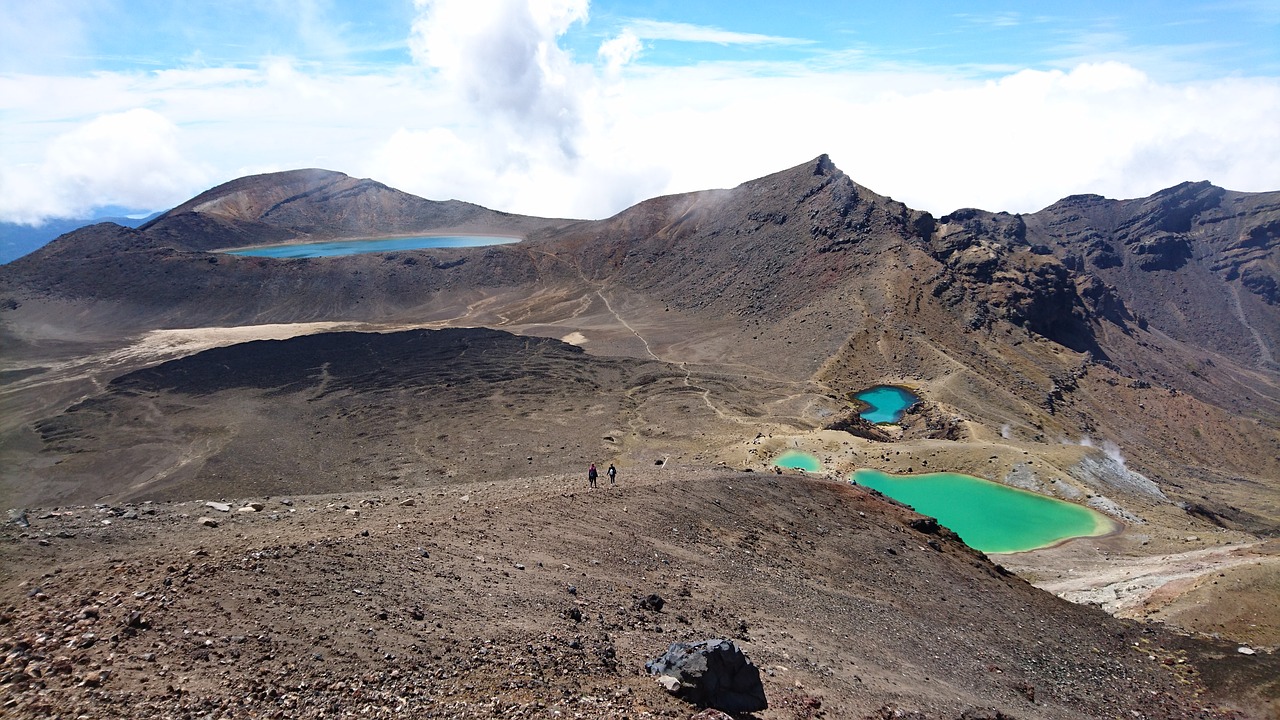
x=130, y=159
x=620, y=50
x=503, y=59
x=541, y=132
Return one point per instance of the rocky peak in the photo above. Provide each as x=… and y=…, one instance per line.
x=250, y=198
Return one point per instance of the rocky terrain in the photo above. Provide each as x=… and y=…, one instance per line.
x=525, y=598
x=1112, y=353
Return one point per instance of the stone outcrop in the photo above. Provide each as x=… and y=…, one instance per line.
x=711, y=673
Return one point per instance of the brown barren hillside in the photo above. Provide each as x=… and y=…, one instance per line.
x=520, y=598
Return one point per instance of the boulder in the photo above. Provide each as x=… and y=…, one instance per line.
x=711, y=673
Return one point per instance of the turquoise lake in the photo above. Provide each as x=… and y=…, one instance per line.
x=337, y=248
x=886, y=403
x=989, y=516
x=798, y=460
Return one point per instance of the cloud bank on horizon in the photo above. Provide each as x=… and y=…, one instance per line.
x=566, y=108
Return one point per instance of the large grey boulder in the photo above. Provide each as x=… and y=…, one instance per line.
x=711, y=673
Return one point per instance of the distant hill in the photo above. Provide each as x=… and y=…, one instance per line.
x=17, y=240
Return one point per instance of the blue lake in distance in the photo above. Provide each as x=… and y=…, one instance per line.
x=798, y=460
x=989, y=516
x=335, y=248
x=886, y=403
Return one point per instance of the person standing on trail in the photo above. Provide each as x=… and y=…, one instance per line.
x=612, y=472
x=592, y=475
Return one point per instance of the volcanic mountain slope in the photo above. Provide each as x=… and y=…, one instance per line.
x=317, y=204
x=799, y=277
x=1200, y=263
x=520, y=598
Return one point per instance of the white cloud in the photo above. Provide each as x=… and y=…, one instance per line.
x=130, y=159
x=685, y=32
x=503, y=59
x=620, y=51
x=495, y=111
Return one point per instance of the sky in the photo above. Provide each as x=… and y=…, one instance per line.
x=574, y=108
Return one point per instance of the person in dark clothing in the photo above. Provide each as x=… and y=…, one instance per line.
x=612, y=472
x=592, y=475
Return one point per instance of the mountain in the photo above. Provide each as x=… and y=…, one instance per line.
x=1200, y=263
x=17, y=240
x=1114, y=353
x=315, y=205
x=1055, y=325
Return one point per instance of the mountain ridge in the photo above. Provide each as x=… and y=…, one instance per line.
x=803, y=273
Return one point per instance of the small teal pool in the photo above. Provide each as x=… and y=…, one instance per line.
x=798, y=461
x=886, y=403
x=337, y=248
x=989, y=516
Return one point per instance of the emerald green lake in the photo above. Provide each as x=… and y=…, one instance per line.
x=988, y=516
x=886, y=403
x=357, y=247
x=798, y=460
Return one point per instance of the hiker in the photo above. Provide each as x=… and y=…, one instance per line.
x=612, y=472
x=592, y=474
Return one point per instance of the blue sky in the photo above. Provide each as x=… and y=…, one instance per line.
x=577, y=108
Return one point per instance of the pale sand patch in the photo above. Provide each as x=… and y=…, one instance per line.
x=574, y=338
x=158, y=345
x=1121, y=586
x=188, y=341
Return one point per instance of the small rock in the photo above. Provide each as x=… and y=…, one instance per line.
x=207, y=521
x=286, y=501
x=220, y=507
x=519, y=566
x=19, y=517
x=653, y=602
x=1246, y=650
x=407, y=502
x=353, y=512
